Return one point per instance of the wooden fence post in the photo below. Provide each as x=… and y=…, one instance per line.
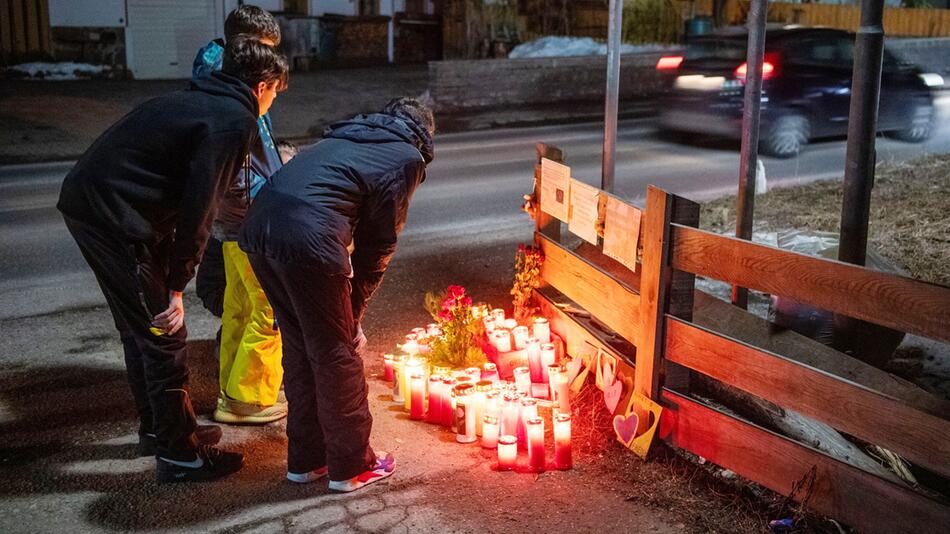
x=544, y=223
x=662, y=291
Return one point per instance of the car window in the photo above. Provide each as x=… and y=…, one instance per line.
x=823, y=51
x=716, y=49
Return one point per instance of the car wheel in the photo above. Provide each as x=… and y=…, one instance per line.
x=921, y=124
x=787, y=136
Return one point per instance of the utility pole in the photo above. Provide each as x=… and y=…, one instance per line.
x=749, y=155
x=614, y=38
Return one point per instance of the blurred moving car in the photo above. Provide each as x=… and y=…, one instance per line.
x=806, y=89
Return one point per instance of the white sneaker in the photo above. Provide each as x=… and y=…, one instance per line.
x=308, y=477
x=385, y=465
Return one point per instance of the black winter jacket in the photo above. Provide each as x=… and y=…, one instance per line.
x=353, y=186
x=163, y=168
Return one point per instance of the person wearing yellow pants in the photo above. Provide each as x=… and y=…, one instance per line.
x=251, y=371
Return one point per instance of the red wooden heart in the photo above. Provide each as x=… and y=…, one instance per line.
x=612, y=394
x=626, y=427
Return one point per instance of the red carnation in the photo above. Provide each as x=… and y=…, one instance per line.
x=448, y=303
x=456, y=291
x=466, y=301
x=445, y=315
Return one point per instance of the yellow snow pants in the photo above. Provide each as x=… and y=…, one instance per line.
x=251, y=370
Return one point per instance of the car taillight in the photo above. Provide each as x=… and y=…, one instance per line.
x=669, y=62
x=768, y=68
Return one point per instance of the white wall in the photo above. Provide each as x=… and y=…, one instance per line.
x=335, y=7
x=104, y=13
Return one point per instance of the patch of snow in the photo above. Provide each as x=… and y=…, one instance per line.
x=559, y=46
x=58, y=71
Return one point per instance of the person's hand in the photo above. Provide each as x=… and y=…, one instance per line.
x=172, y=319
x=530, y=206
x=360, y=341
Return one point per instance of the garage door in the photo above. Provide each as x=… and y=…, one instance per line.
x=164, y=35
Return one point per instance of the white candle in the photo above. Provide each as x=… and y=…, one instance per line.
x=534, y=360
x=490, y=372
x=548, y=356
x=510, y=324
x=493, y=403
x=523, y=380
x=411, y=346
x=562, y=392
x=420, y=332
x=489, y=431
x=413, y=366
x=479, y=400
x=535, y=430
x=399, y=379
x=521, y=337
x=542, y=330
x=507, y=452
x=433, y=330
x=499, y=315
x=510, y=407
x=502, y=340
x=489, y=324
x=529, y=410
x=562, y=441
x=464, y=414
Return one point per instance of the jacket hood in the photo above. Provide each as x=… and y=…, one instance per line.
x=383, y=128
x=221, y=84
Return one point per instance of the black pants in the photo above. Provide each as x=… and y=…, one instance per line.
x=210, y=280
x=328, y=421
x=132, y=278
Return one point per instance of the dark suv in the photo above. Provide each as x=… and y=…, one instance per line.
x=806, y=89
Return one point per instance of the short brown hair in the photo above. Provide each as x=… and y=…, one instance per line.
x=253, y=21
x=412, y=109
x=252, y=62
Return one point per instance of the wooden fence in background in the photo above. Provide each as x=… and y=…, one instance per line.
x=24, y=30
x=668, y=331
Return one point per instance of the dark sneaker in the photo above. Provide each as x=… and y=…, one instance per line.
x=384, y=467
x=211, y=463
x=206, y=434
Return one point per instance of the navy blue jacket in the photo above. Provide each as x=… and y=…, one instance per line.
x=354, y=186
x=162, y=169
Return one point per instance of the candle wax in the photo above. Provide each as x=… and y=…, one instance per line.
x=417, y=407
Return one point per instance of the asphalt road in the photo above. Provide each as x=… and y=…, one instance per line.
x=472, y=196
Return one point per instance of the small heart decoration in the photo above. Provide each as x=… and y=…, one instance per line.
x=626, y=428
x=609, y=369
x=612, y=394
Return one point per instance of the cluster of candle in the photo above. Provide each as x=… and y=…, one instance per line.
x=480, y=407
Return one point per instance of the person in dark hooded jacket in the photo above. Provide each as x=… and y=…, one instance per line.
x=140, y=204
x=353, y=187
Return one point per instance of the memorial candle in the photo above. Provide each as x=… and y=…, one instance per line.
x=412, y=366
x=554, y=374
x=490, y=372
x=562, y=391
x=420, y=332
x=388, y=364
x=417, y=389
x=510, y=324
x=510, y=406
x=523, y=380
x=433, y=330
x=474, y=373
x=534, y=360
x=448, y=403
x=562, y=441
x=498, y=315
x=464, y=414
x=520, y=334
x=398, y=378
x=502, y=340
x=507, y=452
x=529, y=410
x=493, y=404
x=548, y=356
x=434, y=413
x=489, y=432
x=479, y=399
x=542, y=330
x=535, y=430
x=411, y=345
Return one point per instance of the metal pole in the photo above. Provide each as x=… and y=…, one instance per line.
x=614, y=39
x=862, y=127
x=751, y=105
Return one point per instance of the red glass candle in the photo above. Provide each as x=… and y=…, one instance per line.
x=388, y=363
x=535, y=429
x=434, y=413
x=548, y=356
x=448, y=403
x=529, y=410
x=534, y=360
x=417, y=408
x=507, y=452
x=562, y=441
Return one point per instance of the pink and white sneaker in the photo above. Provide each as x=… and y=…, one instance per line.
x=385, y=465
x=308, y=477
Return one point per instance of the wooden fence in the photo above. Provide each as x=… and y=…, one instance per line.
x=24, y=30
x=667, y=331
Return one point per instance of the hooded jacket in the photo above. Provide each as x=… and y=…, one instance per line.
x=264, y=158
x=161, y=170
x=353, y=186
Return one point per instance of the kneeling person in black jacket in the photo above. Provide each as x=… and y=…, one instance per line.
x=140, y=203
x=354, y=186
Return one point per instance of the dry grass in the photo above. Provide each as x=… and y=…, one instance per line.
x=909, y=220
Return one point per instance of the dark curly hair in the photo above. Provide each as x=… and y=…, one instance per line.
x=251, y=61
x=253, y=21
x=410, y=108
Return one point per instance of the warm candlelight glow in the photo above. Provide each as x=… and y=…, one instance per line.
x=464, y=414
x=561, y=390
x=510, y=324
x=388, y=364
x=489, y=431
x=542, y=330
x=535, y=430
x=498, y=315
x=448, y=402
x=520, y=334
x=490, y=372
x=493, y=404
x=529, y=410
x=412, y=366
x=479, y=399
x=417, y=388
x=510, y=407
x=434, y=412
x=534, y=360
x=548, y=357
x=420, y=333
x=433, y=330
x=411, y=346
x=474, y=373
x=489, y=324
x=523, y=380
x=502, y=340
x=562, y=441
x=398, y=378
x=507, y=452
